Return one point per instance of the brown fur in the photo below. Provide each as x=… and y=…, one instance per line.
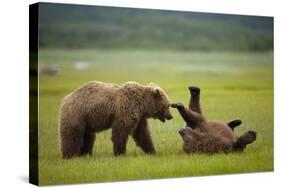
x=201, y=135
x=196, y=142
x=97, y=106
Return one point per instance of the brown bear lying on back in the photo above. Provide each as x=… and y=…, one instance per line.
x=201, y=135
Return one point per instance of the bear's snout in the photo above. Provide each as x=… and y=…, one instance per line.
x=182, y=131
x=185, y=131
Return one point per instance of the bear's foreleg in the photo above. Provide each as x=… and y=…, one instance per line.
x=142, y=137
x=191, y=118
x=119, y=138
x=88, y=143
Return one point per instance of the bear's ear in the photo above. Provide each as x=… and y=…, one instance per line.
x=156, y=92
x=151, y=84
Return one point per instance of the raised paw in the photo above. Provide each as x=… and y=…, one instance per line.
x=247, y=138
x=177, y=105
x=194, y=90
x=252, y=136
x=234, y=123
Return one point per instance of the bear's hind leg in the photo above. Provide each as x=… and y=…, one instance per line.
x=88, y=143
x=244, y=140
x=71, y=142
x=142, y=137
x=194, y=102
x=119, y=138
x=234, y=123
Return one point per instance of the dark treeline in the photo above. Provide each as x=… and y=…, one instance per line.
x=76, y=26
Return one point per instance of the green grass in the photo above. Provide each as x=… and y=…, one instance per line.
x=234, y=86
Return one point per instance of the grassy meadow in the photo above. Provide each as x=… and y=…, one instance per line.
x=235, y=85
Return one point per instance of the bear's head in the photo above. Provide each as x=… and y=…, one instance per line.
x=186, y=134
x=193, y=141
x=158, y=104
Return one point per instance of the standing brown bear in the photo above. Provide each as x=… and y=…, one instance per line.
x=97, y=106
x=201, y=135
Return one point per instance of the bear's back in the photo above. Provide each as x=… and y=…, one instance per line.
x=95, y=89
x=92, y=94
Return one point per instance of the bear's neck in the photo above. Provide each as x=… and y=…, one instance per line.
x=135, y=97
x=148, y=107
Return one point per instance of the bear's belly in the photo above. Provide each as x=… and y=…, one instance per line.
x=220, y=130
x=98, y=122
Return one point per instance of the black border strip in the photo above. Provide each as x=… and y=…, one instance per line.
x=33, y=94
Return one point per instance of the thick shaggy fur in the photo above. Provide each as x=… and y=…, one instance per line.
x=97, y=106
x=201, y=135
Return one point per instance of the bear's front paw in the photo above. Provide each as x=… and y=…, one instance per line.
x=177, y=105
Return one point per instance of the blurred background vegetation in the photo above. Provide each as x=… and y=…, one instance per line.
x=77, y=26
